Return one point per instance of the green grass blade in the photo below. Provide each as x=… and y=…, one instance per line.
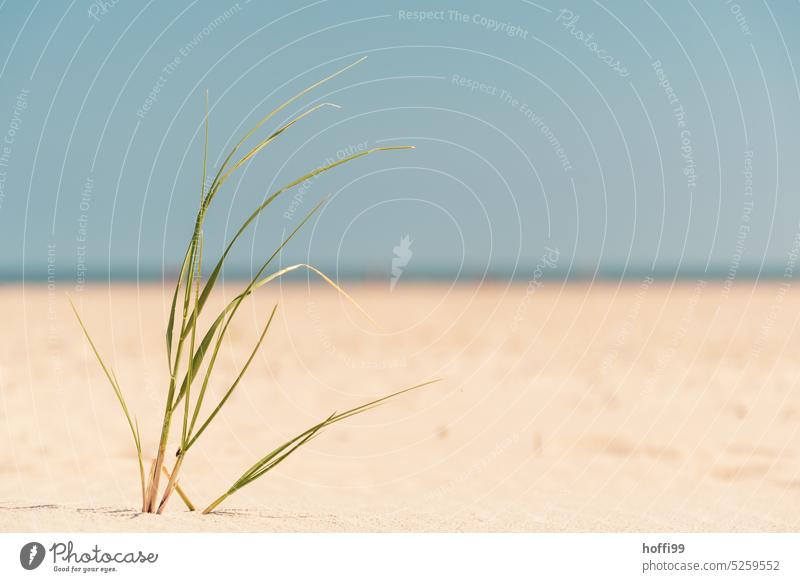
x=199, y=355
x=202, y=350
x=279, y=454
x=190, y=373
x=232, y=308
x=217, y=345
x=272, y=458
x=138, y=441
x=265, y=142
x=270, y=115
x=212, y=279
x=322, y=275
x=109, y=375
x=112, y=379
x=282, y=453
x=193, y=437
x=173, y=308
x=302, y=438
x=189, y=257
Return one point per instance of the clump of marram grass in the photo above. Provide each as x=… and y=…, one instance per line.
x=188, y=301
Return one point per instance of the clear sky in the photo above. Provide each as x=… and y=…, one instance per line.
x=630, y=137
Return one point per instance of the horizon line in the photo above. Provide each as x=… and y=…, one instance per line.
x=518, y=274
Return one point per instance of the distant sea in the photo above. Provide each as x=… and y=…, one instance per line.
x=520, y=274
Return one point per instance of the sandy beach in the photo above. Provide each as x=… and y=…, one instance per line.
x=649, y=406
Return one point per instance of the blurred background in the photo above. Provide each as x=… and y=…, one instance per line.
x=630, y=139
x=644, y=150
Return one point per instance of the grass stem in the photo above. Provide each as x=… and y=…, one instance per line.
x=172, y=482
x=216, y=502
x=179, y=490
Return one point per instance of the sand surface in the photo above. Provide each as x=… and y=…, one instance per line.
x=585, y=407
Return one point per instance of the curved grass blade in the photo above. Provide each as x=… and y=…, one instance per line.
x=323, y=276
x=194, y=436
x=217, y=183
x=112, y=379
x=214, y=185
x=231, y=308
x=278, y=455
x=268, y=140
x=212, y=279
x=233, y=305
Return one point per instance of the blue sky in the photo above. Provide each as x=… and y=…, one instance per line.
x=632, y=137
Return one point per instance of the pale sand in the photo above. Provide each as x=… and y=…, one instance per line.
x=602, y=408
